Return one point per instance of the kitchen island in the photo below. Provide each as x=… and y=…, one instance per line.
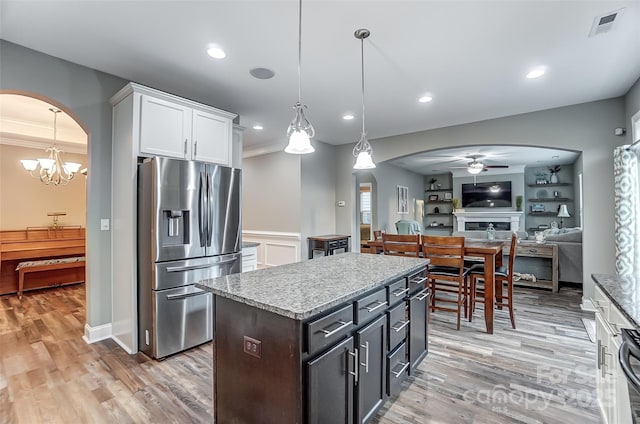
x=321, y=341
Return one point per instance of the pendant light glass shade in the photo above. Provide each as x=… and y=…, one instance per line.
x=300, y=130
x=362, y=150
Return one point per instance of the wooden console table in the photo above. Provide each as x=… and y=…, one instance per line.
x=328, y=244
x=535, y=250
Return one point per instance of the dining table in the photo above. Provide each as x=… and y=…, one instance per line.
x=491, y=252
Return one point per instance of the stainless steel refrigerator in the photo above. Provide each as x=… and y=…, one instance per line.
x=188, y=230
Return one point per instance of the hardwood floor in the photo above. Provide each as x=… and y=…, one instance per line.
x=542, y=372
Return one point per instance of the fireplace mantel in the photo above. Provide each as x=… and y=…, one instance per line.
x=512, y=217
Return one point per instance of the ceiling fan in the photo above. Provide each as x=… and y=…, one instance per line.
x=475, y=166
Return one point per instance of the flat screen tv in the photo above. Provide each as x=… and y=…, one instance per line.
x=487, y=195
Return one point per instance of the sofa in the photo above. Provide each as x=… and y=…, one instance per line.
x=569, y=241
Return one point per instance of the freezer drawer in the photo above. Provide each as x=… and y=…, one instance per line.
x=182, y=318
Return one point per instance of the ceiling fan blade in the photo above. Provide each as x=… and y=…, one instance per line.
x=496, y=166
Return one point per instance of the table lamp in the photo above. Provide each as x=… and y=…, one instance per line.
x=563, y=213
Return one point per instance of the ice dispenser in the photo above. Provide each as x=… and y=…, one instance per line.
x=177, y=227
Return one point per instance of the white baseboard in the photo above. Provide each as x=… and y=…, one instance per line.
x=587, y=305
x=122, y=345
x=95, y=334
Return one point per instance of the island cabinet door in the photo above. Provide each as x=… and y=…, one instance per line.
x=331, y=384
x=372, y=353
x=418, y=334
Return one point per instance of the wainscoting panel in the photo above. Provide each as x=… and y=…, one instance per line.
x=276, y=248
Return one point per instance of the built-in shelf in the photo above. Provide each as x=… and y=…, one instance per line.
x=543, y=213
x=438, y=227
x=440, y=214
x=550, y=185
x=439, y=190
x=552, y=199
x=440, y=202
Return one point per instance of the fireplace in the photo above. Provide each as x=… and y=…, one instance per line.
x=501, y=220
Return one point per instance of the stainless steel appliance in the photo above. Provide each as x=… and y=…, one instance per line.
x=188, y=230
x=629, y=355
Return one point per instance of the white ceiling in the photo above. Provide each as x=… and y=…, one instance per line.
x=470, y=56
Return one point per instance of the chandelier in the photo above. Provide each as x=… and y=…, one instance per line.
x=300, y=130
x=52, y=169
x=362, y=149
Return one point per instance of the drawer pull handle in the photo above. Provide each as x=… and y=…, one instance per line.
x=365, y=346
x=379, y=305
x=195, y=149
x=398, y=329
x=533, y=250
x=420, y=281
x=399, y=293
x=404, y=368
x=421, y=297
x=356, y=367
x=343, y=325
x=185, y=146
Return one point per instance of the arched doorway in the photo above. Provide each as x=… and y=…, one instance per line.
x=28, y=206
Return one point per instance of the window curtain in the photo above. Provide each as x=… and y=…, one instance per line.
x=627, y=211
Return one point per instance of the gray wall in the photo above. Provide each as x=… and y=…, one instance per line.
x=318, y=194
x=585, y=127
x=632, y=106
x=85, y=93
x=271, y=197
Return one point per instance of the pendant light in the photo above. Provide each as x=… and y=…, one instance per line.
x=362, y=150
x=300, y=130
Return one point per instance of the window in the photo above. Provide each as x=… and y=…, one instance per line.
x=365, y=207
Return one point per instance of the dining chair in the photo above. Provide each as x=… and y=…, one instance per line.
x=502, y=275
x=401, y=244
x=446, y=273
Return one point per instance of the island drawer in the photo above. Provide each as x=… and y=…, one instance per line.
x=397, y=369
x=398, y=325
x=371, y=306
x=397, y=291
x=417, y=281
x=324, y=331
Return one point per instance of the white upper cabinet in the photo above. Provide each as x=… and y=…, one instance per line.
x=166, y=125
x=236, y=154
x=165, y=128
x=211, y=138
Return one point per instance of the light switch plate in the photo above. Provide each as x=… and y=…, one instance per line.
x=104, y=225
x=341, y=203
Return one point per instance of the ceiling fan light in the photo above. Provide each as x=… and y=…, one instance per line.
x=475, y=168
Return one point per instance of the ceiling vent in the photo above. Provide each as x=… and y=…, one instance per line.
x=605, y=23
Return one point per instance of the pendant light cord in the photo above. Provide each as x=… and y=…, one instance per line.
x=300, y=52
x=362, y=74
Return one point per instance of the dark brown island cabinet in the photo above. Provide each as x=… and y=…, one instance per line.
x=330, y=350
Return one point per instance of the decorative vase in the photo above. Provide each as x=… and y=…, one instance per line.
x=553, y=179
x=432, y=186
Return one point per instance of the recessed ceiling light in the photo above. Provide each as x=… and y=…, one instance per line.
x=348, y=117
x=262, y=73
x=258, y=127
x=216, y=53
x=425, y=99
x=535, y=73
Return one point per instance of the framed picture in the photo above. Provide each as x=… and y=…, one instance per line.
x=448, y=196
x=403, y=199
x=433, y=197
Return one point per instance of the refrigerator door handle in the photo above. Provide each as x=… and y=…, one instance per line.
x=209, y=210
x=201, y=209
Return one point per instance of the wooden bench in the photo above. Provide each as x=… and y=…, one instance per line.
x=46, y=265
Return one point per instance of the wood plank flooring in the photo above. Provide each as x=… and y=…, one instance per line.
x=543, y=372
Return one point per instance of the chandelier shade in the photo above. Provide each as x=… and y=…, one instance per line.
x=53, y=170
x=362, y=150
x=300, y=131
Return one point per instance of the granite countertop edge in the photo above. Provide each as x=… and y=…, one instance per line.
x=623, y=292
x=225, y=287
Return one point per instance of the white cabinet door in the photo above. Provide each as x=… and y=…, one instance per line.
x=236, y=148
x=211, y=138
x=165, y=128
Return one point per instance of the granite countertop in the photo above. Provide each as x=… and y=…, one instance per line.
x=304, y=289
x=246, y=244
x=624, y=292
